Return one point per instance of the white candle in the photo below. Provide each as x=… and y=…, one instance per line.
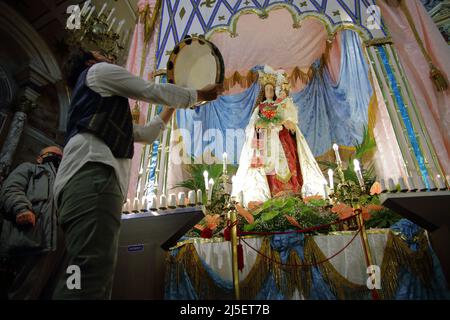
x=205, y=176
x=199, y=196
x=154, y=204
x=225, y=156
x=330, y=178
x=191, y=197
x=112, y=23
x=110, y=14
x=90, y=13
x=136, y=204
x=336, y=152
x=181, y=199
x=85, y=8
x=144, y=204
x=126, y=206
x=211, y=184
x=162, y=202
x=119, y=26
x=102, y=9
x=358, y=172
x=172, y=201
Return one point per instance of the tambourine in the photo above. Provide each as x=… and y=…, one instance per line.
x=195, y=63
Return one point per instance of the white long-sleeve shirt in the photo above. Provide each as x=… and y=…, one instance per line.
x=111, y=80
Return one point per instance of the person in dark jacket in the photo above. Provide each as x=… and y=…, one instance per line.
x=29, y=236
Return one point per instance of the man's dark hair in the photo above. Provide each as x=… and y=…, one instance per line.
x=75, y=65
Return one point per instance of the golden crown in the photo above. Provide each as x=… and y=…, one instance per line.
x=267, y=78
x=96, y=31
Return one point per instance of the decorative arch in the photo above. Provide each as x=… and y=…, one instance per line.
x=181, y=18
x=297, y=19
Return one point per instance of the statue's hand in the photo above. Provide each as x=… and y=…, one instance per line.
x=288, y=124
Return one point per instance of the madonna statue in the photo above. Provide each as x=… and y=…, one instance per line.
x=275, y=157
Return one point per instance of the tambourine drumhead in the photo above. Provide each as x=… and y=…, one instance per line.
x=195, y=63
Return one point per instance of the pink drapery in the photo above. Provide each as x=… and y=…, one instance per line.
x=141, y=61
x=434, y=106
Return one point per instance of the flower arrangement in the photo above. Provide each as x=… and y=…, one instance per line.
x=268, y=113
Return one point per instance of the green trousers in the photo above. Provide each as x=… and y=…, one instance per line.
x=90, y=207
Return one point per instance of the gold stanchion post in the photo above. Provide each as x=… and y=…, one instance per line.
x=365, y=245
x=234, y=252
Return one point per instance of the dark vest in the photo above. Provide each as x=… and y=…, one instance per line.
x=107, y=118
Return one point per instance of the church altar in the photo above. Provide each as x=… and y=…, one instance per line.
x=292, y=266
x=368, y=88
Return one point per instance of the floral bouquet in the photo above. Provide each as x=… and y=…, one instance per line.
x=268, y=113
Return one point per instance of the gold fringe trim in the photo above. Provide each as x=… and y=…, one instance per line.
x=292, y=275
x=397, y=254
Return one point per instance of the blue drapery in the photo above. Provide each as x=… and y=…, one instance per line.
x=328, y=113
x=409, y=286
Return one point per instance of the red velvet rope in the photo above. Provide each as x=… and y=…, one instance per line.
x=307, y=264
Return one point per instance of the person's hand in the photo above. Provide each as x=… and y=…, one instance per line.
x=27, y=217
x=210, y=92
x=288, y=124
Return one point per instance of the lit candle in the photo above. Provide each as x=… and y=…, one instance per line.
x=358, y=172
x=110, y=14
x=199, y=197
x=205, y=176
x=112, y=23
x=162, y=202
x=103, y=9
x=181, y=199
x=119, y=26
x=225, y=162
x=172, y=201
x=211, y=184
x=330, y=178
x=144, y=204
x=154, y=204
x=191, y=197
x=441, y=183
x=90, y=13
x=336, y=152
x=85, y=8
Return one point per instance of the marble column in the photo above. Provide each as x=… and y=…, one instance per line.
x=15, y=133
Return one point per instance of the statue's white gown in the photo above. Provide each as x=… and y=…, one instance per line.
x=253, y=181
